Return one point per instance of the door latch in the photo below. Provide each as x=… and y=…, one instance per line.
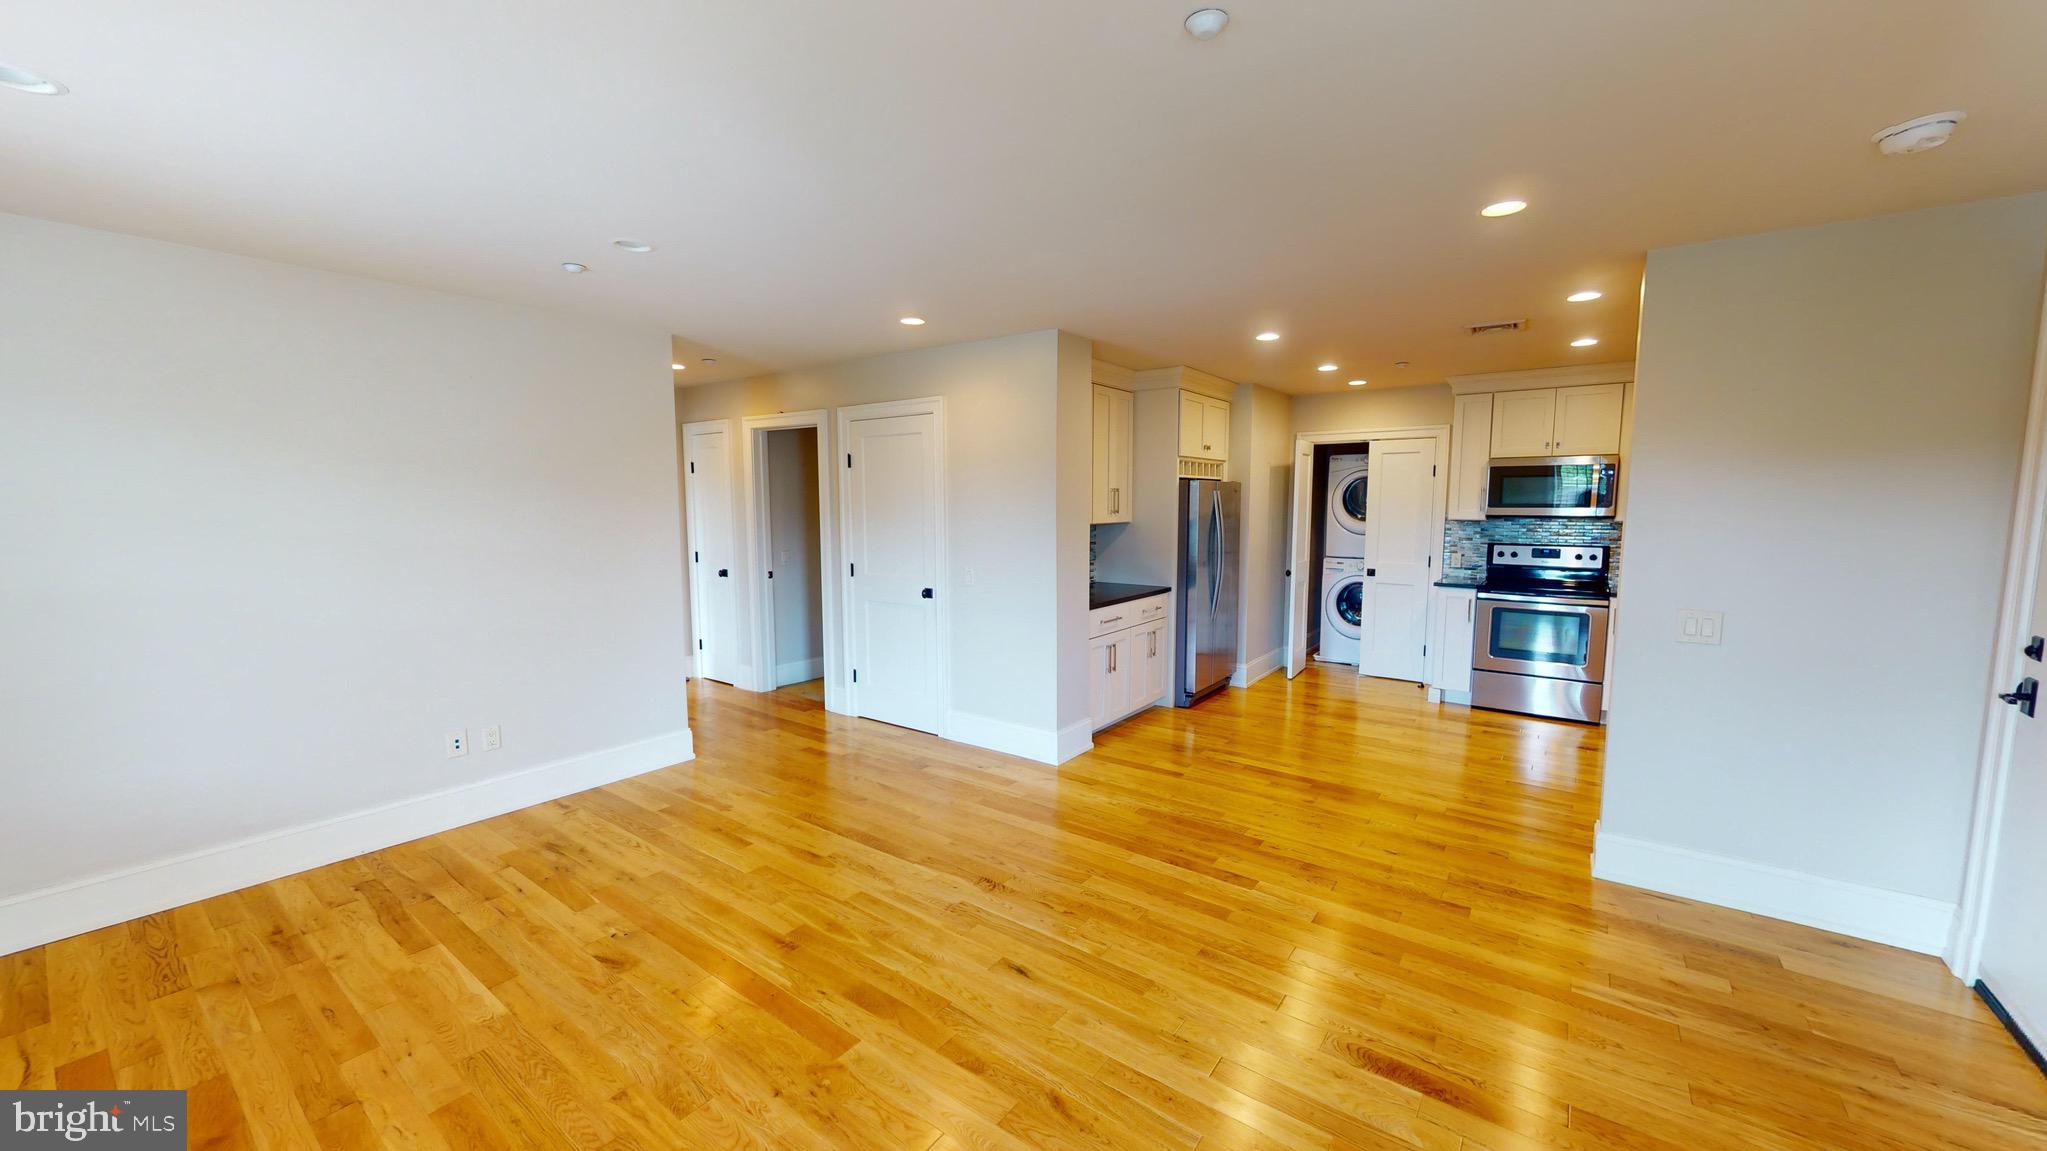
x=2025, y=696
x=926, y=593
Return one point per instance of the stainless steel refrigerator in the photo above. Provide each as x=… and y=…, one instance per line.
x=1209, y=591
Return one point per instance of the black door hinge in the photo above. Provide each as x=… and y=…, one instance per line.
x=856, y=675
x=700, y=645
x=771, y=575
x=850, y=573
x=849, y=459
x=696, y=557
x=692, y=468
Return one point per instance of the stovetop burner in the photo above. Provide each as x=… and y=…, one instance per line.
x=1574, y=571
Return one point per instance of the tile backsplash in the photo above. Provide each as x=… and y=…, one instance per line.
x=1465, y=541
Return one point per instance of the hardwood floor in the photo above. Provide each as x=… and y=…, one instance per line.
x=1313, y=915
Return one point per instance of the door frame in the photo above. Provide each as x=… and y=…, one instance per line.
x=2022, y=571
x=693, y=524
x=760, y=546
x=934, y=406
x=1300, y=531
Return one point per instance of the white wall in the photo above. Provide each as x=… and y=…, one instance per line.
x=1373, y=408
x=794, y=531
x=1826, y=442
x=1011, y=565
x=270, y=532
x=1261, y=458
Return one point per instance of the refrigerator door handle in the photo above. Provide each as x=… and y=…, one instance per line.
x=1215, y=573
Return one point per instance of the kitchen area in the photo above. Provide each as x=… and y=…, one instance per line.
x=1517, y=614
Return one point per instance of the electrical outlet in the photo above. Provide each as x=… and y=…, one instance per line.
x=458, y=743
x=967, y=576
x=493, y=738
x=1695, y=626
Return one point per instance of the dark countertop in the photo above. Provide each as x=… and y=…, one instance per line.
x=1465, y=582
x=1101, y=594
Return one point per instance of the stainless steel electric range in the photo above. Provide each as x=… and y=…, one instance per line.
x=1538, y=643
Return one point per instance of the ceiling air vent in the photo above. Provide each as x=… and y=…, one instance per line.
x=1499, y=328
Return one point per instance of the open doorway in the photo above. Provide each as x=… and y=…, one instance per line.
x=788, y=478
x=794, y=559
x=1336, y=573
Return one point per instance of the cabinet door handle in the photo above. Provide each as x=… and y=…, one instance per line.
x=1115, y=499
x=1112, y=657
x=1154, y=637
x=1112, y=619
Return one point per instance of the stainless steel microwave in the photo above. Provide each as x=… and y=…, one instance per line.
x=1551, y=486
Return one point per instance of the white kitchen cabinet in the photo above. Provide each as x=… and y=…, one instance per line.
x=1582, y=421
x=1450, y=667
x=1114, y=442
x=1204, y=427
x=1127, y=658
x=1150, y=661
x=1471, y=440
x=1588, y=421
x=1524, y=423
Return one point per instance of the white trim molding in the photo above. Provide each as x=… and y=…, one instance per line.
x=1256, y=669
x=53, y=913
x=759, y=560
x=1569, y=376
x=1021, y=740
x=1912, y=922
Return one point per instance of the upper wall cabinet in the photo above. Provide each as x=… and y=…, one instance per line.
x=1471, y=436
x=1204, y=427
x=1114, y=442
x=1582, y=421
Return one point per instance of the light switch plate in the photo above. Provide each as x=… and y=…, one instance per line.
x=1695, y=626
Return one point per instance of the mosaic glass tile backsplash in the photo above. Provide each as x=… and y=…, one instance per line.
x=1465, y=541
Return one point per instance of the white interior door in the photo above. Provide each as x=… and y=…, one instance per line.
x=2015, y=925
x=1298, y=560
x=714, y=606
x=893, y=524
x=1400, y=548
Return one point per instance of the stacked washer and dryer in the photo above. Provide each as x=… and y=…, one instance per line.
x=1343, y=561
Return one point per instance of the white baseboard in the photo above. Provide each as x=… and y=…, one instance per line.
x=798, y=671
x=1041, y=744
x=1074, y=739
x=1249, y=673
x=38, y=917
x=1912, y=922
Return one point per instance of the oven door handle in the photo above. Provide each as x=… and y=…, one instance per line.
x=1569, y=602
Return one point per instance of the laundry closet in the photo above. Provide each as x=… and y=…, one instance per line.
x=1336, y=596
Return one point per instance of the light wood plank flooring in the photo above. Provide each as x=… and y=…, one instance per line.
x=1312, y=915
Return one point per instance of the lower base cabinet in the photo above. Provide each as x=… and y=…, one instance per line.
x=1450, y=648
x=1127, y=662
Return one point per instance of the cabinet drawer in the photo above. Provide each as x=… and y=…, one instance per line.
x=1116, y=617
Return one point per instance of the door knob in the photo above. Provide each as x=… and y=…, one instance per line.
x=723, y=573
x=926, y=593
x=2025, y=696
x=2036, y=648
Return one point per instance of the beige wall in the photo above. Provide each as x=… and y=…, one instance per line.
x=270, y=533
x=1826, y=442
x=1010, y=507
x=1373, y=408
x=798, y=585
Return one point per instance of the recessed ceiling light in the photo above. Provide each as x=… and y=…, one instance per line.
x=1267, y=337
x=911, y=321
x=1503, y=208
x=1917, y=135
x=1584, y=341
x=23, y=80
x=1400, y=363
x=1357, y=383
x=632, y=245
x=573, y=268
x=1581, y=297
x=1325, y=367
x=680, y=367
x=708, y=360
x=1206, y=23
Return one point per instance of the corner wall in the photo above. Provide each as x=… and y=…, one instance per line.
x=270, y=532
x=1826, y=443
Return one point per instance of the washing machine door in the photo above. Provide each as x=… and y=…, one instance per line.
x=1347, y=606
x=1350, y=503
